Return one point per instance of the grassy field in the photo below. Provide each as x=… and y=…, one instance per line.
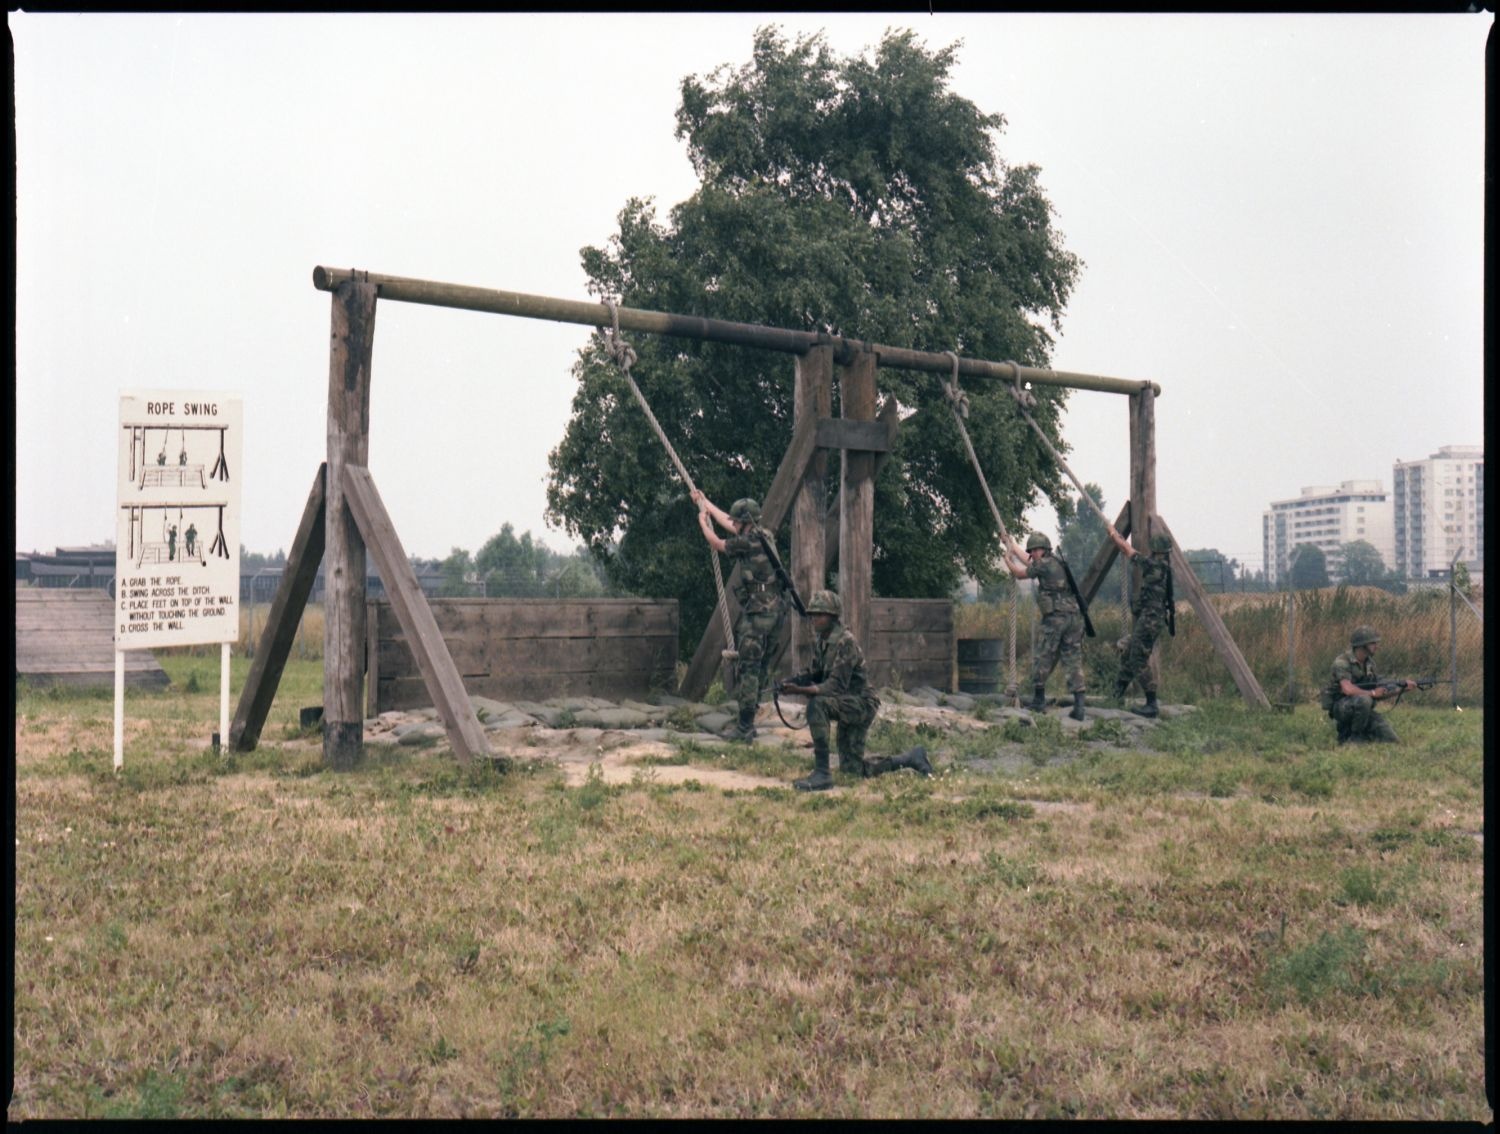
x=1243, y=922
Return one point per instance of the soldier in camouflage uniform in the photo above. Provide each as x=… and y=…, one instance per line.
x=1153, y=602
x=838, y=691
x=1352, y=708
x=1060, y=637
x=762, y=605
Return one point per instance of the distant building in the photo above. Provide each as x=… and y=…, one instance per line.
x=1328, y=518
x=1439, y=511
x=94, y=567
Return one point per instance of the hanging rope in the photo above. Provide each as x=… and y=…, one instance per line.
x=623, y=355
x=1025, y=399
x=958, y=402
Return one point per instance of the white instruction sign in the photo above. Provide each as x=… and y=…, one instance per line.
x=177, y=539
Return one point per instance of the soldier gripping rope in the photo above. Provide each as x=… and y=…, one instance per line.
x=760, y=594
x=1065, y=619
x=1354, y=687
x=839, y=691
x=1154, y=607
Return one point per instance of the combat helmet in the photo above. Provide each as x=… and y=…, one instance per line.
x=826, y=602
x=1161, y=542
x=745, y=510
x=1363, y=636
x=1036, y=540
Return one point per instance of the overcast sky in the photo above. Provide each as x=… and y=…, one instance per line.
x=1280, y=217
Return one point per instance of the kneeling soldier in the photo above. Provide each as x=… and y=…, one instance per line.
x=1350, y=695
x=837, y=691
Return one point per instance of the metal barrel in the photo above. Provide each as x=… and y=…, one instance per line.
x=979, y=664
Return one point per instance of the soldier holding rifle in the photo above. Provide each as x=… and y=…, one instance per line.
x=1350, y=695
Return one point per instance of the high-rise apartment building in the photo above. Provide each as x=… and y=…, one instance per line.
x=1327, y=518
x=1439, y=511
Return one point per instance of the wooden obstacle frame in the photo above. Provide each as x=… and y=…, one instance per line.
x=344, y=518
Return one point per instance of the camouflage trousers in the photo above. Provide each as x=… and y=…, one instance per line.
x=754, y=636
x=1136, y=650
x=855, y=714
x=1059, y=638
x=1357, y=720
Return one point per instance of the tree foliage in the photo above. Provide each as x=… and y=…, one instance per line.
x=854, y=196
x=1215, y=570
x=1309, y=567
x=508, y=566
x=1363, y=564
x=1080, y=535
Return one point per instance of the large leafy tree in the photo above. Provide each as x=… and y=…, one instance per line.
x=857, y=196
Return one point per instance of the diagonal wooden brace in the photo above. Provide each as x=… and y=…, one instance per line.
x=444, y=684
x=276, y=640
x=1224, y=644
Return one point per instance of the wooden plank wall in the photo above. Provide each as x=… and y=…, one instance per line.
x=66, y=636
x=911, y=643
x=531, y=649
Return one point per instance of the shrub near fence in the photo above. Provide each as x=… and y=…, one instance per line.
x=1289, y=642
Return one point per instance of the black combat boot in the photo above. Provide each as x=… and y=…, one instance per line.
x=1149, y=709
x=1038, y=702
x=1077, y=713
x=744, y=728
x=820, y=780
x=916, y=760
x=1120, y=687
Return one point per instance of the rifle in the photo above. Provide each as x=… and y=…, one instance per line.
x=1391, y=685
x=781, y=576
x=1088, y=625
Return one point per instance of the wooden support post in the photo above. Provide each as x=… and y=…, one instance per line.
x=857, y=499
x=890, y=415
x=353, y=341
x=1187, y=583
x=276, y=639
x=812, y=397
x=1104, y=558
x=444, y=685
x=788, y=479
x=1142, y=489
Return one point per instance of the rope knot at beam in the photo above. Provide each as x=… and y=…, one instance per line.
x=1024, y=397
x=956, y=397
x=621, y=353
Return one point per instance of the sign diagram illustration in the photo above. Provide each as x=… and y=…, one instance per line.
x=177, y=534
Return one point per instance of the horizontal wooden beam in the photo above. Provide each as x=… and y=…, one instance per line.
x=494, y=301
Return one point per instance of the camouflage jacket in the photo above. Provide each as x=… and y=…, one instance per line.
x=838, y=667
x=757, y=589
x=1052, y=590
x=1156, y=577
x=1346, y=667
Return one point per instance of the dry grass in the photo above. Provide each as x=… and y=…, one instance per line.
x=1245, y=923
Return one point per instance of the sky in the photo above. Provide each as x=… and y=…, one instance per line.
x=1280, y=219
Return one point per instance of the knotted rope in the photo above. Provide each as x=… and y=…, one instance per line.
x=958, y=402
x=1025, y=399
x=623, y=355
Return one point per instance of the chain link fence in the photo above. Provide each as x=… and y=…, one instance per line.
x=1288, y=639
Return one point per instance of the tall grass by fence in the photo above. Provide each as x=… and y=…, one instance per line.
x=1288, y=640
